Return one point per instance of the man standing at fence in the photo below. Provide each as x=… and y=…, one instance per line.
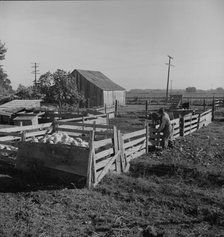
x=166, y=128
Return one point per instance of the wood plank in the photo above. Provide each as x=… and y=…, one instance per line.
x=134, y=134
x=101, y=164
x=41, y=155
x=107, y=166
x=175, y=121
x=8, y=142
x=176, y=135
x=116, y=148
x=73, y=131
x=66, y=129
x=37, y=133
x=135, y=149
x=134, y=142
x=90, y=161
x=190, y=131
x=112, y=169
x=189, y=126
x=121, y=148
x=85, y=118
x=191, y=117
x=101, y=143
x=14, y=134
x=85, y=125
x=147, y=137
x=26, y=128
x=93, y=158
x=9, y=138
x=104, y=153
x=190, y=123
x=135, y=155
x=206, y=112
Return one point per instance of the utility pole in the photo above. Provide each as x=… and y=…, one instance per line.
x=168, y=77
x=35, y=72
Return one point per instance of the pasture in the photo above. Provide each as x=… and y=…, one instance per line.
x=176, y=192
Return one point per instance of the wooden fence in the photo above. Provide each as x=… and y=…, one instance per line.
x=15, y=133
x=109, y=149
x=114, y=154
x=193, y=101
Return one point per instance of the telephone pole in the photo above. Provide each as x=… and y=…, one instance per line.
x=35, y=72
x=168, y=76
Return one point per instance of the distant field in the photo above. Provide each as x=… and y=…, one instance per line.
x=158, y=97
x=162, y=93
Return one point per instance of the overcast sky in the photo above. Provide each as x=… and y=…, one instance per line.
x=128, y=41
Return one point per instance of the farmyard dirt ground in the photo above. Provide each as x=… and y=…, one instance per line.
x=178, y=192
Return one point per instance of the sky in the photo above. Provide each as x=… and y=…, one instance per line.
x=128, y=41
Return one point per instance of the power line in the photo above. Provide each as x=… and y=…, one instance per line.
x=168, y=76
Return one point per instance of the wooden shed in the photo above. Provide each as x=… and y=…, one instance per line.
x=9, y=111
x=98, y=89
x=25, y=120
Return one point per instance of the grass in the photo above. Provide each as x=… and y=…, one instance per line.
x=170, y=193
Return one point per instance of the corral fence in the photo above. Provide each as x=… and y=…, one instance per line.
x=108, y=148
x=115, y=153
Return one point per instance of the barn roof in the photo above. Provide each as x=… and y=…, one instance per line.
x=100, y=80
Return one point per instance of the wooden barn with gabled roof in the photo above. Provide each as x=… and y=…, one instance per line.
x=98, y=89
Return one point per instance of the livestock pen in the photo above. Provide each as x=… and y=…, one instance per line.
x=108, y=148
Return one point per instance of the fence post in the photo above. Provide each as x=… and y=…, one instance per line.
x=115, y=109
x=146, y=109
x=108, y=119
x=199, y=118
x=213, y=108
x=116, y=149
x=105, y=108
x=182, y=126
x=90, y=161
x=23, y=136
x=93, y=155
x=121, y=148
x=204, y=105
x=147, y=137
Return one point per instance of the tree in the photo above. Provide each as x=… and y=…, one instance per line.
x=3, y=51
x=191, y=89
x=24, y=92
x=5, y=83
x=219, y=89
x=60, y=88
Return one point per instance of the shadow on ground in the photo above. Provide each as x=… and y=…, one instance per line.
x=189, y=174
x=12, y=180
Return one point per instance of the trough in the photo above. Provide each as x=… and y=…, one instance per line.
x=71, y=159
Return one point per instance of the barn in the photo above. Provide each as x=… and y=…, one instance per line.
x=98, y=89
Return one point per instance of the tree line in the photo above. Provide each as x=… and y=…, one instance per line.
x=58, y=88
